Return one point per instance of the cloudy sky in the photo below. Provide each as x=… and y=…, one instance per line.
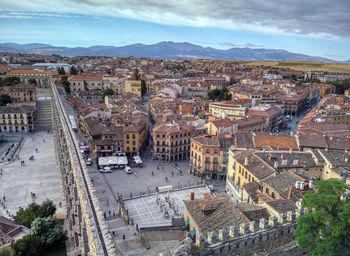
x=314, y=27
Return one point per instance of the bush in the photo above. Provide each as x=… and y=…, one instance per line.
x=25, y=216
x=49, y=230
x=7, y=251
x=29, y=245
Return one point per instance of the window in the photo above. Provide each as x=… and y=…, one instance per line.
x=215, y=151
x=207, y=151
x=207, y=168
x=215, y=160
x=215, y=168
x=207, y=160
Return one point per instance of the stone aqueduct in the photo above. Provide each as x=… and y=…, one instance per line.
x=87, y=230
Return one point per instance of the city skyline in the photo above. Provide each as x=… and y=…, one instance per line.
x=312, y=28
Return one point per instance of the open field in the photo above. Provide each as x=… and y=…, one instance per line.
x=302, y=65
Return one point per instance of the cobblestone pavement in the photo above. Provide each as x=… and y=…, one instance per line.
x=40, y=176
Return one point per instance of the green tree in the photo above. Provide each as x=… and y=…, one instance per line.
x=32, y=81
x=65, y=83
x=136, y=74
x=61, y=71
x=143, y=87
x=25, y=216
x=107, y=91
x=28, y=245
x=218, y=95
x=49, y=230
x=4, y=99
x=7, y=251
x=10, y=80
x=73, y=70
x=325, y=228
x=86, y=86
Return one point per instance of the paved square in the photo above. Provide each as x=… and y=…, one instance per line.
x=146, y=212
x=41, y=176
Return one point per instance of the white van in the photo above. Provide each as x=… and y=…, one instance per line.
x=106, y=169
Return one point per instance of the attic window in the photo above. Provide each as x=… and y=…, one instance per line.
x=284, y=162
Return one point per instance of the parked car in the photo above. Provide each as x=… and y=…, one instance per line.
x=89, y=161
x=127, y=170
x=106, y=169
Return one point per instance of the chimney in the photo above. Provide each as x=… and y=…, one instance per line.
x=281, y=156
x=331, y=138
x=311, y=184
x=297, y=184
x=246, y=160
x=275, y=165
x=301, y=185
x=278, y=146
x=346, y=159
x=192, y=196
x=290, y=150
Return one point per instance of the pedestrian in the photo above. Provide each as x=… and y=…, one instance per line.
x=92, y=181
x=152, y=173
x=4, y=198
x=109, y=213
x=172, y=173
x=113, y=233
x=34, y=195
x=60, y=204
x=44, y=141
x=104, y=215
x=107, y=203
x=166, y=179
x=123, y=237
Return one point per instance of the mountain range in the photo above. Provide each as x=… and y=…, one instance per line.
x=163, y=50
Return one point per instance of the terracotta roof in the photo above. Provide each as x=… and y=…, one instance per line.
x=221, y=213
x=277, y=142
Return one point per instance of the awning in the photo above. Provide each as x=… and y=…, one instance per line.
x=187, y=222
x=193, y=233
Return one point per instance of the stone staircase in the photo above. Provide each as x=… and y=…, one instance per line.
x=43, y=121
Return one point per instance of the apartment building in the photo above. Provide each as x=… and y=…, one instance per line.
x=20, y=92
x=133, y=86
x=230, y=109
x=209, y=156
x=293, y=104
x=251, y=165
x=171, y=141
x=83, y=83
x=17, y=118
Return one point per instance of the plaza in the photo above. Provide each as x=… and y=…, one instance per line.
x=40, y=176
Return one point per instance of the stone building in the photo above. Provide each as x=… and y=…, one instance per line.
x=171, y=141
x=209, y=156
x=20, y=92
x=17, y=118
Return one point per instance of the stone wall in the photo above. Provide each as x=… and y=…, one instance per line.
x=87, y=230
x=238, y=240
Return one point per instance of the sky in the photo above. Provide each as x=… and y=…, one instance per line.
x=312, y=27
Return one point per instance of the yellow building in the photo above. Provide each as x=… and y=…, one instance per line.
x=20, y=92
x=135, y=137
x=230, y=109
x=17, y=119
x=133, y=86
x=82, y=83
x=42, y=77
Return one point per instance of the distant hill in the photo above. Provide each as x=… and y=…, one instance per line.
x=163, y=50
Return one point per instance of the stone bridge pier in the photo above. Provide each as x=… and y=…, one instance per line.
x=87, y=229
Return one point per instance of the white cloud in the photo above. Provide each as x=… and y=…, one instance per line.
x=315, y=18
